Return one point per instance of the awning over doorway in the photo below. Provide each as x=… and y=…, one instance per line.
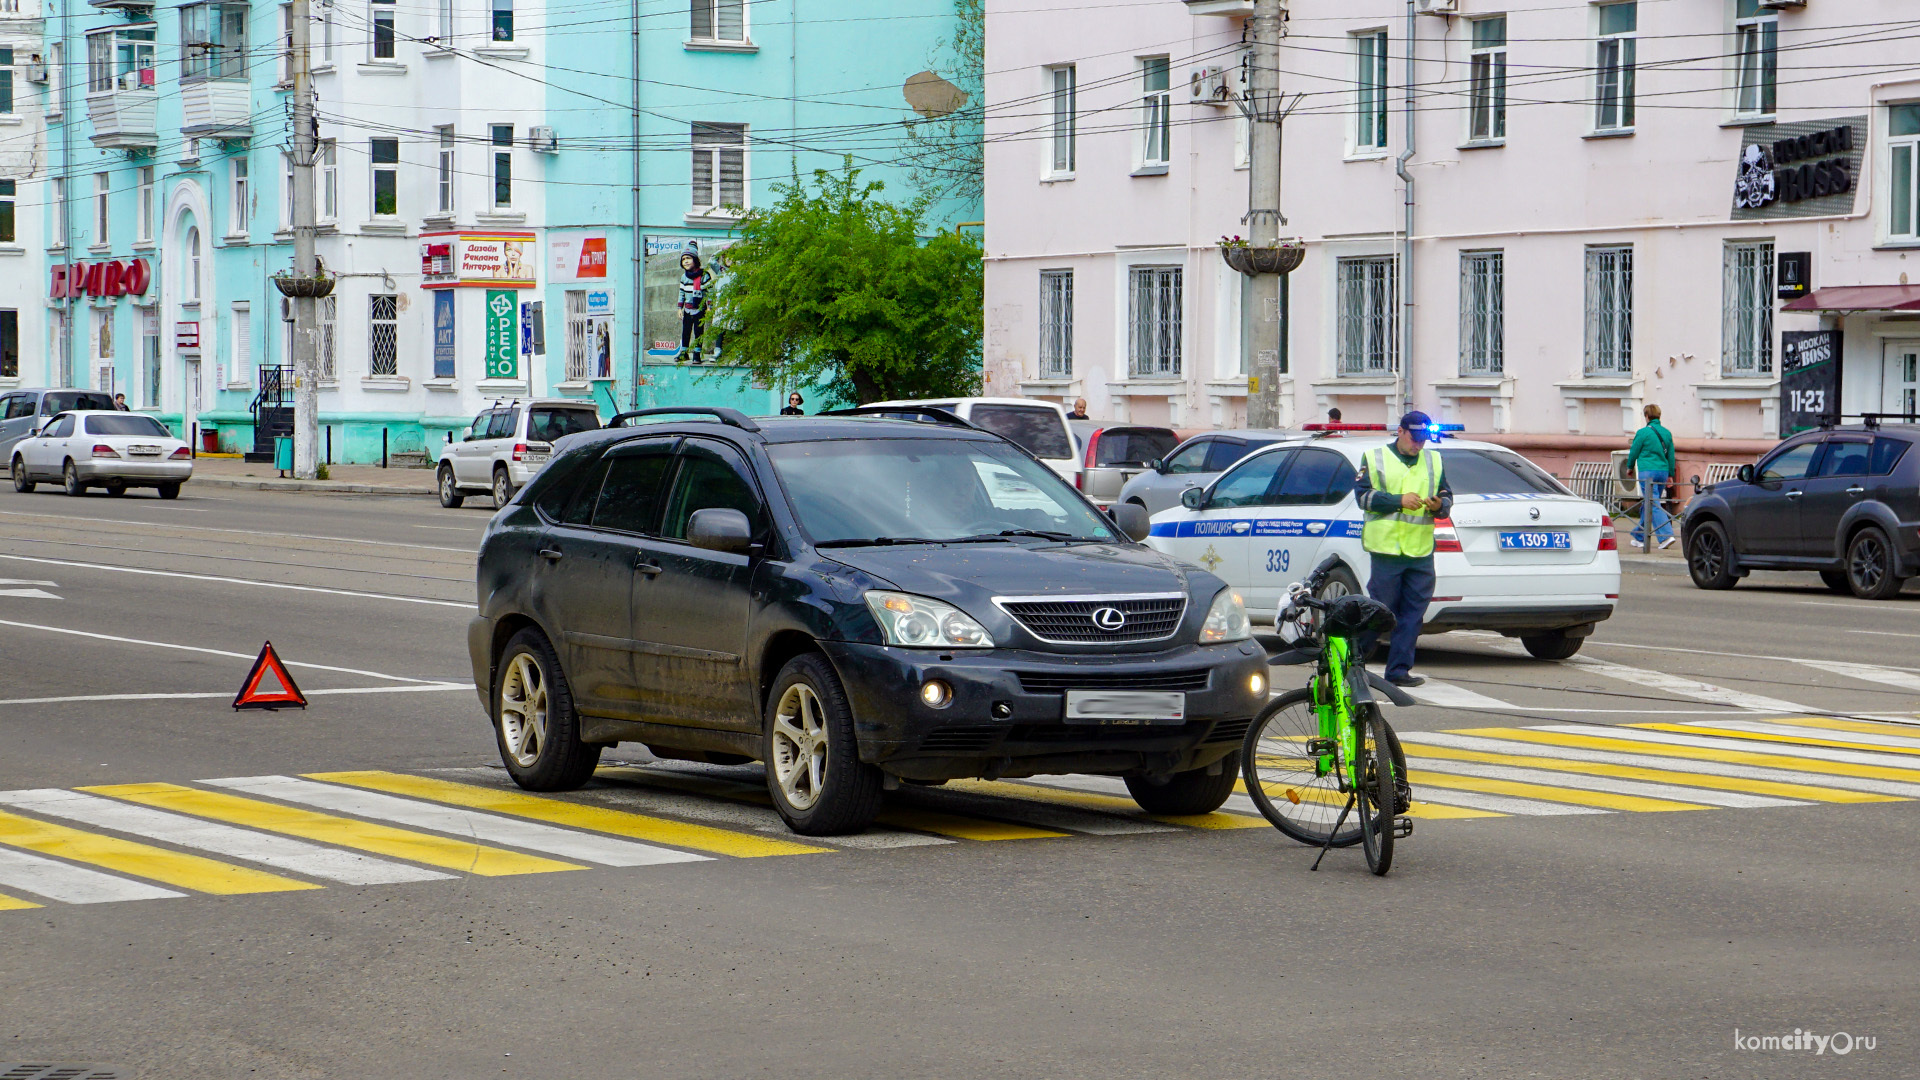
x=1860, y=298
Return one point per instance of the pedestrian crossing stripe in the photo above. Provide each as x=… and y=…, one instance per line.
x=1793, y=733
x=140, y=860
x=1421, y=808
x=1658, y=744
x=1434, y=757
x=1865, y=727
x=1550, y=793
x=14, y=903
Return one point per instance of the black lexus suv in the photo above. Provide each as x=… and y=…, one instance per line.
x=1843, y=501
x=857, y=602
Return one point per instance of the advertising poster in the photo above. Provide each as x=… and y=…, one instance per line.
x=503, y=335
x=577, y=256
x=600, y=333
x=680, y=275
x=479, y=260
x=1809, y=379
x=443, y=335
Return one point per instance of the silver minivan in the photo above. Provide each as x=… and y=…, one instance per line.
x=21, y=411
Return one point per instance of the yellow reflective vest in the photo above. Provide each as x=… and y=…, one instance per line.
x=1407, y=533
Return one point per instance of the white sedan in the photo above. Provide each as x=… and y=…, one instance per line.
x=113, y=450
x=1521, y=554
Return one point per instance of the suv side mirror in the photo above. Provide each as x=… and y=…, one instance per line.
x=1158, y=465
x=1745, y=474
x=720, y=529
x=1194, y=498
x=1133, y=520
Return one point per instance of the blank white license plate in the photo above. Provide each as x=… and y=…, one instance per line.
x=140, y=450
x=1125, y=707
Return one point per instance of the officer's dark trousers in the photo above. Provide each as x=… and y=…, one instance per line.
x=1405, y=586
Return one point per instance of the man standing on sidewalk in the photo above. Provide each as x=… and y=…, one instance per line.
x=1402, y=490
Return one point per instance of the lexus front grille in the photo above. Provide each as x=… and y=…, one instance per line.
x=1097, y=620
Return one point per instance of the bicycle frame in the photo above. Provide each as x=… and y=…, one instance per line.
x=1336, y=694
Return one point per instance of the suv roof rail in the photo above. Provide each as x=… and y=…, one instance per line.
x=1875, y=419
x=729, y=417
x=939, y=416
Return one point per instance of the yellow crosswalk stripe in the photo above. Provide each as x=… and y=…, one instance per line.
x=1698, y=753
x=576, y=815
x=1662, y=776
x=342, y=832
x=1765, y=736
x=1862, y=727
x=1087, y=800
x=141, y=860
x=1551, y=793
x=14, y=903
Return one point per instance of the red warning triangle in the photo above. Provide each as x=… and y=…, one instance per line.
x=268, y=685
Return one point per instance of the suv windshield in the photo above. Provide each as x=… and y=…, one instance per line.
x=547, y=425
x=61, y=401
x=902, y=490
x=126, y=424
x=1039, y=431
x=1484, y=472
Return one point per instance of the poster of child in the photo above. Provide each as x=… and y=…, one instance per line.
x=681, y=274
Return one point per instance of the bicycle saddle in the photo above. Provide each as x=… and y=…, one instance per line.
x=1353, y=615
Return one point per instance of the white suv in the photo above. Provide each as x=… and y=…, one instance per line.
x=507, y=445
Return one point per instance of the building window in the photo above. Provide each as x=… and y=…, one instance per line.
x=383, y=334
x=719, y=167
x=503, y=20
x=149, y=356
x=326, y=36
x=7, y=233
x=1756, y=32
x=6, y=81
x=1614, y=60
x=579, y=335
x=242, y=351
x=1483, y=300
x=59, y=214
x=382, y=12
x=286, y=188
x=213, y=40
x=1056, y=324
x=444, y=38
x=1065, y=88
x=192, y=268
x=719, y=20
x=1156, y=111
x=1746, y=338
x=446, y=168
x=1609, y=311
x=102, y=198
x=61, y=326
x=329, y=182
x=326, y=311
x=1903, y=172
x=502, y=166
x=386, y=176
x=286, y=43
x=1488, y=104
x=9, y=344
x=1370, y=114
x=143, y=203
x=1154, y=302
x=238, y=210
x=1368, y=336
x=120, y=59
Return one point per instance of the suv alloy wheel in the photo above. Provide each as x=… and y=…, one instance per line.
x=1870, y=568
x=502, y=487
x=1709, y=558
x=534, y=720
x=450, y=496
x=814, y=772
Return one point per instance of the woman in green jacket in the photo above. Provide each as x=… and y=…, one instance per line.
x=1653, y=464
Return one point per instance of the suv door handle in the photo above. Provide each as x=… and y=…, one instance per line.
x=1793, y=494
x=552, y=554
x=646, y=568
x=1856, y=490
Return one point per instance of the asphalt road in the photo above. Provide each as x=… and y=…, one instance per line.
x=1612, y=922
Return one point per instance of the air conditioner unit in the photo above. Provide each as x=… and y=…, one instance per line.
x=1208, y=86
x=36, y=71
x=1438, y=7
x=543, y=140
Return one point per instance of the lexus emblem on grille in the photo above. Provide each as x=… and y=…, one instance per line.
x=1109, y=618
x=1533, y=512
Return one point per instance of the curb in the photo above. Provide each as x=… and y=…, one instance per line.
x=322, y=487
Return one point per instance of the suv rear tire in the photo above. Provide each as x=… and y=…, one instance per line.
x=534, y=722
x=814, y=772
x=1186, y=793
x=1710, y=557
x=502, y=487
x=450, y=496
x=1870, y=565
x=1553, y=646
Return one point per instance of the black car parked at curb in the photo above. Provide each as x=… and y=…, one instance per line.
x=1844, y=501
x=857, y=602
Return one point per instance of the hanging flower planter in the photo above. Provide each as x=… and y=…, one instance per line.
x=316, y=286
x=1282, y=258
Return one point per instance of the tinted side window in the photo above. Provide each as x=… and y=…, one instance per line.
x=580, y=508
x=60, y=428
x=1249, y=484
x=1135, y=446
x=1313, y=475
x=630, y=497
x=1488, y=472
x=548, y=425
x=710, y=477
x=1224, y=452
x=126, y=424
x=1886, y=454
x=1038, y=431
x=1789, y=464
x=6, y=405
x=503, y=423
x=1846, y=457
x=1191, y=458
x=481, y=424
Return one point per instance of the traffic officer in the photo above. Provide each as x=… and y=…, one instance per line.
x=1403, y=490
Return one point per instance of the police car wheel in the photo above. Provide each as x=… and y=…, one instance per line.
x=1554, y=646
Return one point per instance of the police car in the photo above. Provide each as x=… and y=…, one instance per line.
x=1521, y=554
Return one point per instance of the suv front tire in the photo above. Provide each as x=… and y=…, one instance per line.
x=534, y=721
x=814, y=772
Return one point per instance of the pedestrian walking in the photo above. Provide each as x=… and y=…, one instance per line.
x=794, y=401
x=1079, y=410
x=1653, y=463
x=1333, y=416
x=1404, y=488
x=120, y=402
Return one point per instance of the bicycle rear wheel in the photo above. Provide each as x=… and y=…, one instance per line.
x=1290, y=787
x=1377, y=789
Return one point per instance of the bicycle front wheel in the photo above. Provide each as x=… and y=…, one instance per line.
x=1298, y=792
x=1377, y=786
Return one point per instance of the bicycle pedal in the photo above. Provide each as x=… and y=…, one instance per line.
x=1320, y=747
x=1402, y=828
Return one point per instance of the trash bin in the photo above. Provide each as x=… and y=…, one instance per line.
x=283, y=453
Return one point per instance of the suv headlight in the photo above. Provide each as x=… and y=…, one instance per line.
x=918, y=621
x=1226, y=620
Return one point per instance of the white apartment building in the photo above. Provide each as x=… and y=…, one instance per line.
x=1602, y=196
x=22, y=163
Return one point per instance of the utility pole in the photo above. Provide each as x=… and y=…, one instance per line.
x=306, y=337
x=1264, y=115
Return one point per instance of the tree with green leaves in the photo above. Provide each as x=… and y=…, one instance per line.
x=835, y=286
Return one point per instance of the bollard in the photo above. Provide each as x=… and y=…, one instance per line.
x=329, y=445
x=383, y=448
x=193, y=444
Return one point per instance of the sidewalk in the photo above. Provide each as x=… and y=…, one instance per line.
x=343, y=479
x=1630, y=553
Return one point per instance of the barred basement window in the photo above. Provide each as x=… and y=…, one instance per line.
x=1746, y=336
x=383, y=334
x=1369, y=330
x=1153, y=318
x=327, y=311
x=1056, y=324
x=1609, y=311
x=1483, y=291
x=579, y=343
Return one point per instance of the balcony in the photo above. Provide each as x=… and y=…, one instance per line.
x=1233, y=8
x=216, y=108
x=122, y=119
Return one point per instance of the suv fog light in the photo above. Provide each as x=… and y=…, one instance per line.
x=936, y=694
x=1257, y=684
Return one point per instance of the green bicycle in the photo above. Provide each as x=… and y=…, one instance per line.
x=1322, y=763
